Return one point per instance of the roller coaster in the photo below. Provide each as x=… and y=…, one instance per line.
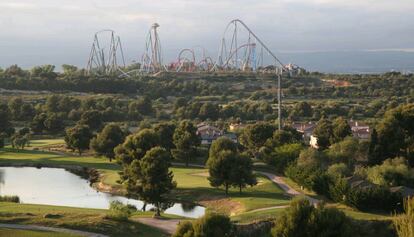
x=106, y=56
x=241, y=50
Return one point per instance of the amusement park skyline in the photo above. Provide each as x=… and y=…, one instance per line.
x=59, y=32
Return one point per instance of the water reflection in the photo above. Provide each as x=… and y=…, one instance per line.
x=61, y=188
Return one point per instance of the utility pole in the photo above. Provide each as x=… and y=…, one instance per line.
x=279, y=100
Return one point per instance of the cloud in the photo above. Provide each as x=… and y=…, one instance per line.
x=54, y=29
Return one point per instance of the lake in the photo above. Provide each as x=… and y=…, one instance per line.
x=58, y=187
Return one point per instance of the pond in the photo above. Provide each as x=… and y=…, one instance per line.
x=58, y=187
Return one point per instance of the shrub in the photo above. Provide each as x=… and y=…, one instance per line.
x=119, y=211
x=211, y=224
x=303, y=219
x=184, y=229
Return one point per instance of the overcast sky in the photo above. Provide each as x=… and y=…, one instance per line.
x=61, y=31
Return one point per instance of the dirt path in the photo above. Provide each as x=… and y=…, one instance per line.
x=289, y=190
x=52, y=229
x=166, y=225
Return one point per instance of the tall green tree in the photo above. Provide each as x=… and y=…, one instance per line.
x=106, y=141
x=78, y=138
x=242, y=172
x=186, y=141
x=165, y=132
x=340, y=130
x=323, y=131
x=136, y=145
x=150, y=178
x=255, y=136
x=92, y=118
x=219, y=168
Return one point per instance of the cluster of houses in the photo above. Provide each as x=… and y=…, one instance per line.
x=209, y=133
x=359, y=130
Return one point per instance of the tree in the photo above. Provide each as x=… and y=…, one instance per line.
x=280, y=157
x=150, y=178
x=219, y=169
x=92, y=118
x=78, y=138
x=136, y=145
x=374, y=150
x=165, y=132
x=303, y=219
x=396, y=134
x=52, y=103
x=186, y=140
x=340, y=130
x=15, y=106
x=38, y=123
x=323, y=132
x=5, y=125
x=404, y=223
x=106, y=141
x=242, y=172
x=53, y=123
x=209, y=111
x=255, y=136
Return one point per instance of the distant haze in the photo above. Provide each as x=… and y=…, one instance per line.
x=322, y=35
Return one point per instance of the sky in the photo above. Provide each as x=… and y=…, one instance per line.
x=35, y=32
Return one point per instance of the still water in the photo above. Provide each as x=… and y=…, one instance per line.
x=59, y=187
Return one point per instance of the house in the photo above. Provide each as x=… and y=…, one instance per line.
x=305, y=128
x=210, y=133
x=360, y=130
x=357, y=182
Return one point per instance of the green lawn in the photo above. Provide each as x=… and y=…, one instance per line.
x=92, y=220
x=192, y=182
x=32, y=233
x=253, y=216
x=46, y=142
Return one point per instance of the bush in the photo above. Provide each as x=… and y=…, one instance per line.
x=119, y=211
x=15, y=199
x=303, y=219
x=283, y=155
x=211, y=224
x=184, y=229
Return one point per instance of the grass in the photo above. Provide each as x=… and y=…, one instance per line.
x=193, y=185
x=32, y=233
x=252, y=216
x=92, y=220
x=46, y=142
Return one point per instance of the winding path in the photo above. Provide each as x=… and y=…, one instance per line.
x=51, y=229
x=167, y=225
x=289, y=190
